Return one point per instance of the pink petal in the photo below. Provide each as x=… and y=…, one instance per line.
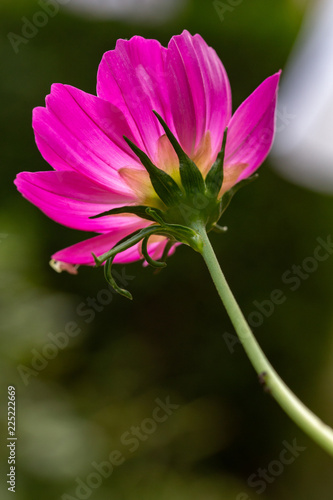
x=199, y=92
x=186, y=84
x=70, y=199
x=81, y=253
x=251, y=129
x=133, y=78
x=82, y=132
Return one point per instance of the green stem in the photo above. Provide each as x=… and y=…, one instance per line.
x=321, y=433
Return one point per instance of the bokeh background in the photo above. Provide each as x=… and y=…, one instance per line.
x=174, y=340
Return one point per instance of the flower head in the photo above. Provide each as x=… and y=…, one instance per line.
x=149, y=157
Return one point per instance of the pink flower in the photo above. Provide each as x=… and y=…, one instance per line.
x=95, y=170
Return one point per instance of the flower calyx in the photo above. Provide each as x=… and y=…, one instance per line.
x=174, y=232
x=191, y=204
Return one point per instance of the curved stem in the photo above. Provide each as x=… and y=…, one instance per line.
x=321, y=433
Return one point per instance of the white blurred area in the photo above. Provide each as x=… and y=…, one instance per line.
x=145, y=11
x=303, y=148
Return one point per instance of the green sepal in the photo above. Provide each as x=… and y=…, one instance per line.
x=139, y=210
x=184, y=235
x=165, y=254
x=126, y=243
x=96, y=259
x=156, y=215
x=180, y=233
x=165, y=186
x=150, y=261
x=214, y=178
x=227, y=197
x=110, y=279
x=219, y=229
x=167, y=249
x=190, y=175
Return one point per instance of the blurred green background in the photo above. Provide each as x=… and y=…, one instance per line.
x=170, y=341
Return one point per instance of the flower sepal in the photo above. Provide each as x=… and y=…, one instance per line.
x=181, y=233
x=164, y=185
x=174, y=232
x=110, y=279
x=139, y=210
x=214, y=178
x=191, y=177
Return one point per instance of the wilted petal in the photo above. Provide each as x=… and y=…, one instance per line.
x=59, y=267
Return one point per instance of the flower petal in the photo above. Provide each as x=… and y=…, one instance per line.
x=185, y=83
x=70, y=198
x=133, y=78
x=81, y=132
x=81, y=253
x=251, y=129
x=167, y=158
x=199, y=92
x=59, y=267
